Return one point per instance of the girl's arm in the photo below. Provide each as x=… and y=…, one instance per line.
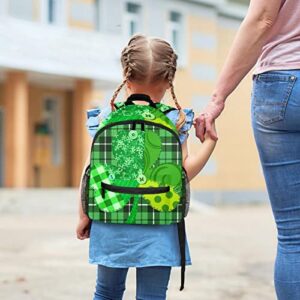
x=80, y=209
x=193, y=164
x=244, y=52
x=84, y=223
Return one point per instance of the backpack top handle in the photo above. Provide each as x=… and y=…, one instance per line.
x=140, y=97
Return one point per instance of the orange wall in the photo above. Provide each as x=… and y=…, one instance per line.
x=76, y=23
x=235, y=160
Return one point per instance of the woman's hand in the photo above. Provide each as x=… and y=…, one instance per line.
x=204, y=123
x=243, y=55
x=83, y=228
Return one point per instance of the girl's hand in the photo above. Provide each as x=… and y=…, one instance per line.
x=83, y=228
x=207, y=135
x=204, y=123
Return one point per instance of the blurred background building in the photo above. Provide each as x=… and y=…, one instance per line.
x=61, y=57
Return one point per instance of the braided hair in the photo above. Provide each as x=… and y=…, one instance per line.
x=149, y=60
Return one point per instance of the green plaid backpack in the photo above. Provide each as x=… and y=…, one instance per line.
x=135, y=174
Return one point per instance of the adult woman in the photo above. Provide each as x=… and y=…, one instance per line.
x=270, y=37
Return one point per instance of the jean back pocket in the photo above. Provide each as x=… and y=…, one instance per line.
x=271, y=92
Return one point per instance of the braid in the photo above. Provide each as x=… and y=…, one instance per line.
x=115, y=95
x=128, y=67
x=173, y=95
x=172, y=66
x=171, y=69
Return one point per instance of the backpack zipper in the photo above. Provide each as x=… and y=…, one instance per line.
x=137, y=122
x=133, y=190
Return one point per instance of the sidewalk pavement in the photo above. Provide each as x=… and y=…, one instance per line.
x=232, y=249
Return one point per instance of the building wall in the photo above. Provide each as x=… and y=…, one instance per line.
x=234, y=165
x=238, y=159
x=81, y=14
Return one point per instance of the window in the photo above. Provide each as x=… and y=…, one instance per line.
x=20, y=9
x=97, y=15
x=53, y=11
x=52, y=16
x=52, y=117
x=175, y=34
x=133, y=18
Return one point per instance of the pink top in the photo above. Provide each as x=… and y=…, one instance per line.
x=282, y=49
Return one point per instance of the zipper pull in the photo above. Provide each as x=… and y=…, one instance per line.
x=103, y=192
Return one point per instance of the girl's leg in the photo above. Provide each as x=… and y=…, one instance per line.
x=276, y=123
x=152, y=283
x=110, y=283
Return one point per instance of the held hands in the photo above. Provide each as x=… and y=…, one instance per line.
x=83, y=228
x=207, y=135
x=204, y=123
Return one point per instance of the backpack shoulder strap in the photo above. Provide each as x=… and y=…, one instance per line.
x=164, y=108
x=119, y=104
x=160, y=106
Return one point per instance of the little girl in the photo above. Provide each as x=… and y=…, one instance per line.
x=149, y=66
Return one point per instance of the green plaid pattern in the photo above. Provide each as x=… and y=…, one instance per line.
x=116, y=208
x=146, y=215
x=112, y=201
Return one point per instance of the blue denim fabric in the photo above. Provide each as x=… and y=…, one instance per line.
x=276, y=124
x=152, y=283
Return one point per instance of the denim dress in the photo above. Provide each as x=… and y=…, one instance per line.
x=123, y=245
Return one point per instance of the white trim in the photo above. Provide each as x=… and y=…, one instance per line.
x=51, y=81
x=65, y=51
x=224, y=7
x=98, y=15
x=3, y=8
x=183, y=47
x=127, y=17
x=233, y=10
x=60, y=10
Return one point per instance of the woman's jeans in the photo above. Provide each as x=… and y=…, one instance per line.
x=276, y=124
x=151, y=283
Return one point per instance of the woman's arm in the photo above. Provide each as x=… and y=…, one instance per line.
x=244, y=52
x=193, y=164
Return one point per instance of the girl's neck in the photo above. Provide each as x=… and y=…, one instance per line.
x=155, y=91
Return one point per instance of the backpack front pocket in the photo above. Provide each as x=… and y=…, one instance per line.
x=133, y=190
x=110, y=201
x=161, y=198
